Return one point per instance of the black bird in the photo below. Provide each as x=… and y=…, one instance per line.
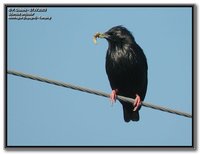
x=126, y=68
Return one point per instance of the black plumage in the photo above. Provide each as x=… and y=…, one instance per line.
x=126, y=68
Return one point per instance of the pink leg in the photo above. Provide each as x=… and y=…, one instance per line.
x=113, y=95
x=137, y=102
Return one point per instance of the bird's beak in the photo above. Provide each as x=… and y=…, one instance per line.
x=100, y=35
x=103, y=35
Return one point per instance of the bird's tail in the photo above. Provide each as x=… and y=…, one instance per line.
x=129, y=114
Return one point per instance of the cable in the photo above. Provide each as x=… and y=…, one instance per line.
x=91, y=91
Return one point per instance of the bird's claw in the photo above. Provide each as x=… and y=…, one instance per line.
x=137, y=102
x=113, y=96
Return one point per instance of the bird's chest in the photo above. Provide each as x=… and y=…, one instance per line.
x=120, y=71
x=119, y=63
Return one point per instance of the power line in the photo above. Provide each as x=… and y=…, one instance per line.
x=91, y=91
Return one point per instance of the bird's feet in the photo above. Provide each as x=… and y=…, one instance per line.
x=137, y=103
x=113, y=96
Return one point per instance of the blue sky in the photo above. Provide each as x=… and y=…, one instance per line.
x=62, y=49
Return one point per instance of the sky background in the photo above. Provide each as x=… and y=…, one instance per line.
x=61, y=49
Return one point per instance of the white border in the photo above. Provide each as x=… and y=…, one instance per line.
x=2, y=150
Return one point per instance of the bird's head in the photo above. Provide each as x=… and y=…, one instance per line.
x=118, y=34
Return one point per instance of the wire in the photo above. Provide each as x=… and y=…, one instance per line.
x=91, y=91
